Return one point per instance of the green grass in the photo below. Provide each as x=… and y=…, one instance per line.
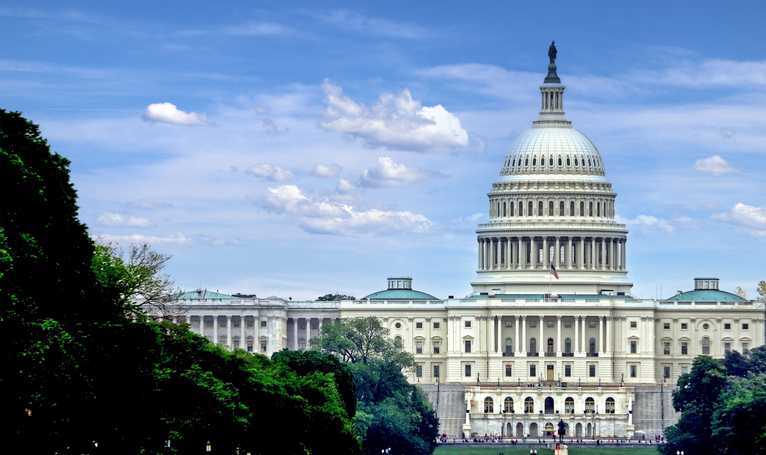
x=469, y=450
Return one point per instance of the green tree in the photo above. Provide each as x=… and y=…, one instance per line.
x=739, y=423
x=751, y=362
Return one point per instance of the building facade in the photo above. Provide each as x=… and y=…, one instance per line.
x=550, y=332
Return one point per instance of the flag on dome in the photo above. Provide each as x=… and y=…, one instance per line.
x=553, y=272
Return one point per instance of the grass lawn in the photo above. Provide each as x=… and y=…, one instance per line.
x=469, y=450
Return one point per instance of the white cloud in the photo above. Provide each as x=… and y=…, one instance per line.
x=220, y=241
x=171, y=240
x=117, y=220
x=382, y=27
x=147, y=204
x=257, y=29
x=751, y=220
x=327, y=171
x=328, y=217
x=707, y=73
x=272, y=129
x=648, y=224
x=715, y=165
x=396, y=122
x=271, y=172
x=387, y=173
x=169, y=113
x=345, y=186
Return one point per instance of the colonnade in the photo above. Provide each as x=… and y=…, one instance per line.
x=528, y=252
x=521, y=339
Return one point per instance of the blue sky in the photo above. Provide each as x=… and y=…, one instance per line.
x=303, y=148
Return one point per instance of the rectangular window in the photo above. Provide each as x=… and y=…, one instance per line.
x=195, y=323
x=666, y=325
x=633, y=324
x=418, y=325
x=208, y=323
x=221, y=322
x=550, y=324
x=533, y=323
x=568, y=324
x=508, y=324
x=684, y=348
x=418, y=347
x=468, y=323
x=666, y=372
x=533, y=370
x=264, y=347
x=727, y=326
x=436, y=371
x=235, y=322
x=468, y=371
x=745, y=326
x=263, y=323
x=436, y=346
x=633, y=371
x=666, y=347
x=592, y=371
x=249, y=348
x=508, y=371
x=633, y=346
x=436, y=325
x=249, y=322
x=467, y=345
x=568, y=371
x=684, y=326
x=419, y=371
x=592, y=324
x=684, y=369
x=727, y=348
x=745, y=347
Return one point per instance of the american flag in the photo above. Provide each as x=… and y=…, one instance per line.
x=553, y=272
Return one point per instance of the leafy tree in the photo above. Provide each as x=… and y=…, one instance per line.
x=741, y=292
x=739, y=423
x=751, y=362
x=762, y=290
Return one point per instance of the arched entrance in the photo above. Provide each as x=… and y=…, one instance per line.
x=588, y=432
x=533, y=430
x=549, y=429
x=578, y=430
x=519, y=430
x=508, y=430
x=549, y=405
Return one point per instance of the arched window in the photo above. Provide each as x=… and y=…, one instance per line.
x=534, y=161
x=532, y=345
x=559, y=161
x=706, y=346
x=592, y=346
x=550, y=208
x=550, y=161
x=526, y=162
x=505, y=207
x=489, y=405
x=521, y=209
x=590, y=405
x=571, y=208
x=550, y=345
x=568, y=346
x=540, y=208
x=569, y=405
x=569, y=162
x=577, y=163
x=609, y=408
x=529, y=405
x=590, y=208
x=530, y=208
x=512, y=213
x=508, y=346
x=508, y=405
x=398, y=342
x=542, y=161
x=598, y=209
x=582, y=208
x=561, y=208
x=514, y=163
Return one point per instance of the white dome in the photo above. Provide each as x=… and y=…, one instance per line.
x=552, y=150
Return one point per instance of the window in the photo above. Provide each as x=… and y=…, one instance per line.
x=436, y=371
x=235, y=322
x=727, y=326
x=666, y=372
x=508, y=405
x=569, y=405
x=582, y=209
x=568, y=324
x=592, y=371
x=509, y=370
x=540, y=209
x=684, y=348
x=263, y=323
x=705, y=326
x=745, y=347
x=221, y=322
x=549, y=324
x=508, y=324
x=529, y=210
x=706, y=346
x=533, y=323
x=264, y=346
x=436, y=325
x=467, y=345
x=508, y=346
x=398, y=342
x=251, y=323
x=419, y=371
x=568, y=346
x=633, y=371
x=489, y=405
x=529, y=405
x=745, y=326
x=195, y=323
x=568, y=371
x=561, y=208
x=633, y=324
x=533, y=370
x=532, y=345
x=592, y=324
x=609, y=408
x=437, y=346
x=418, y=325
x=398, y=325
x=590, y=405
x=468, y=324
x=633, y=346
x=468, y=371
x=684, y=326
x=418, y=347
x=592, y=346
x=666, y=325
x=550, y=208
x=208, y=323
x=684, y=369
x=571, y=209
x=666, y=347
x=727, y=348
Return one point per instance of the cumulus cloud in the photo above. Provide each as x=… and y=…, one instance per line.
x=147, y=204
x=751, y=220
x=169, y=113
x=117, y=220
x=333, y=218
x=327, y=171
x=171, y=240
x=271, y=172
x=715, y=165
x=396, y=122
x=648, y=224
x=387, y=173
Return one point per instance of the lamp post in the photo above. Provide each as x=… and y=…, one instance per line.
x=208, y=446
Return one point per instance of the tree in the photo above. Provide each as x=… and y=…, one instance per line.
x=334, y=297
x=391, y=412
x=762, y=290
x=739, y=426
x=751, y=362
x=741, y=292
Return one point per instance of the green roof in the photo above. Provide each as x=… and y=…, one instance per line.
x=201, y=294
x=707, y=295
x=399, y=294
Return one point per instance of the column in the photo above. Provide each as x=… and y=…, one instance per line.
x=557, y=254
x=609, y=334
x=522, y=254
x=228, y=330
x=295, y=333
x=523, y=344
x=546, y=253
x=584, y=323
x=577, y=334
x=485, y=249
x=541, y=342
x=479, y=248
x=533, y=253
x=558, y=336
x=308, y=331
x=215, y=329
x=593, y=253
x=509, y=254
x=580, y=257
x=492, y=321
x=601, y=334
x=491, y=253
x=624, y=244
x=242, y=344
x=517, y=347
x=614, y=254
x=569, y=252
x=601, y=253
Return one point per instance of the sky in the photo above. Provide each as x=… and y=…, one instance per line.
x=302, y=148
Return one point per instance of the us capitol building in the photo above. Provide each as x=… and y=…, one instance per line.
x=515, y=356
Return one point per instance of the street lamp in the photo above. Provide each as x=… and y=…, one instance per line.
x=208, y=446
